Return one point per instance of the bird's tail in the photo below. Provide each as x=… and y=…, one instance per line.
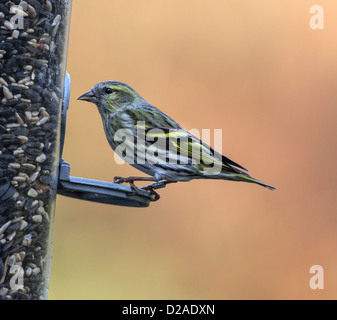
x=248, y=178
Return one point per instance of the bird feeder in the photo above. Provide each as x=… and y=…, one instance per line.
x=34, y=98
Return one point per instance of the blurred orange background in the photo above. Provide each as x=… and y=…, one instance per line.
x=254, y=69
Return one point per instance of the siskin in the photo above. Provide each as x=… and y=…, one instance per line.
x=183, y=156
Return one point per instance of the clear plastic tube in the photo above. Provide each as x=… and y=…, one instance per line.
x=33, y=55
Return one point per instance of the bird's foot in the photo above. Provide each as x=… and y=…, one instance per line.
x=135, y=190
x=154, y=195
x=120, y=180
x=150, y=188
x=156, y=185
x=130, y=181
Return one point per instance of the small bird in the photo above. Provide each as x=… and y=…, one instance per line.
x=186, y=156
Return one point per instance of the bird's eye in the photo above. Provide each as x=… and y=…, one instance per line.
x=108, y=90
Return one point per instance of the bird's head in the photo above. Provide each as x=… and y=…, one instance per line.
x=111, y=95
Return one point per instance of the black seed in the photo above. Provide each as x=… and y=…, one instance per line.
x=7, y=157
x=20, y=131
x=49, y=126
x=2, y=268
x=32, y=227
x=33, y=144
x=11, y=65
x=32, y=95
x=19, y=75
x=10, y=191
x=7, y=112
x=37, y=88
x=44, y=196
x=27, y=37
x=20, y=105
x=28, y=204
x=23, y=60
x=13, y=147
x=11, y=119
x=34, y=131
x=8, y=142
x=4, y=9
x=22, y=186
x=30, y=157
x=8, y=136
x=4, y=186
x=47, y=95
x=15, y=90
x=33, y=151
x=6, y=46
x=15, y=214
x=45, y=179
x=6, y=205
x=6, y=247
x=13, y=227
x=34, y=107
x=5, y=172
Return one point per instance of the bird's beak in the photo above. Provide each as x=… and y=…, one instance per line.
x=88, y=96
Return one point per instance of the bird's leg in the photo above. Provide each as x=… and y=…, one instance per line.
x=135, y=189
x=130, y=181
x=154, y=195
x=167, y=182
x=151, y=188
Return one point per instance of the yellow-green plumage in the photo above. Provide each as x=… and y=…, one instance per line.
x=121, y=107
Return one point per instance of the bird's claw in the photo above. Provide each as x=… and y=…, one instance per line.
x=156, y=185
x=120, y=180
x=150, y=188
x=154, y=195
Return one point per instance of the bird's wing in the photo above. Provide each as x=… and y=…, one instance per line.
x=175, y=142
x=152, y=117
